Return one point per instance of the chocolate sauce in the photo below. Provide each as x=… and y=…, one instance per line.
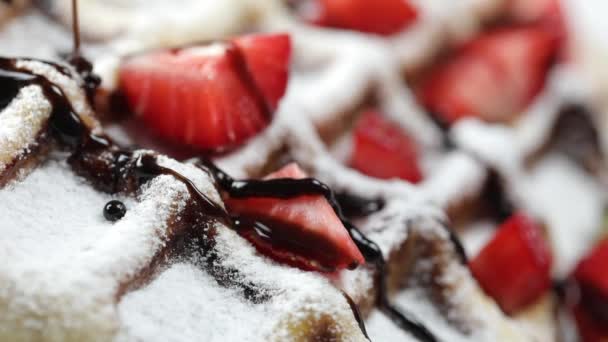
x=75, y=28
x=114, y=210
x=357, y=206
x=499, y=205
x=90, y=80
x=574, y=134
x=355, y=309
x=458, y=247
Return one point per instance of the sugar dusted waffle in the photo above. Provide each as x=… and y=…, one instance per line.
x=336, y=75
x=66, y=275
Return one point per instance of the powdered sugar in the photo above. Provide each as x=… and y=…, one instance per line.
x=185, y=303
x=78, y=225
x=453, y=177
x=65, y=263
x=21, y=123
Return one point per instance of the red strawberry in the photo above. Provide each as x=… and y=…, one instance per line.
x=492, y=77
x=591, y=275
x=383, y=150
x=304, y=231
x=383, y=17
x=267, y=57
x=213, y=96
x=589, y=329
x=514, y=267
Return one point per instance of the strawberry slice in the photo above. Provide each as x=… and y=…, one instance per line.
x=514, y=267
x=303, y=231
x=267, y=57
x=591, y=276
x=383, y=17
x=211, y=97
x=589, y=328
x=493, y=77
x=382, y=150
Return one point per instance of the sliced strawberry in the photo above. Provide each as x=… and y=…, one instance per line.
x=267, y=57
x=492, y=77
x=213, y=96
x=384, y=17
x=303, y=231
x=591, y=276
x=589, y=328
x=383, y=150
x=514, y=267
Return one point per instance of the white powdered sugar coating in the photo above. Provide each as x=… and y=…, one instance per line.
x=587, y=26
x=185, y=303
x=65, y=264
x=21, y=122
x=32, y=206
x=381, y=328
x=452, y=178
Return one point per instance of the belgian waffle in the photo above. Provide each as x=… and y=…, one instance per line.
x=424, y=272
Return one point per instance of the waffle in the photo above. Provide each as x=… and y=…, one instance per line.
x=68, y=269
x=343, y=72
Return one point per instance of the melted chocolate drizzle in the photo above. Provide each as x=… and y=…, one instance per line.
x=357, y=206
x=355, y=309
x=114, y=210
